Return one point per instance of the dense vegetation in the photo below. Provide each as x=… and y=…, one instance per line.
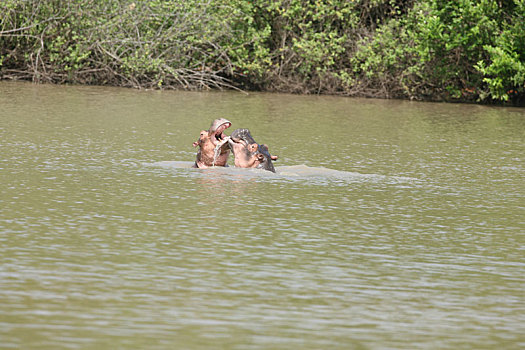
x=462, y=50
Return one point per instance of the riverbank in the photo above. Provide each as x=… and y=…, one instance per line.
x=426, y=50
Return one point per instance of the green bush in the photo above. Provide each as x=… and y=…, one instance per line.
x=446, y=50
x=460, y=50
x=141, y=44
x=503, y=70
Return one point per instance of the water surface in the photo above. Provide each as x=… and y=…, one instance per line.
x=388, y=225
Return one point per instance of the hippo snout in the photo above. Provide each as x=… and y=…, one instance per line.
x=242, y=134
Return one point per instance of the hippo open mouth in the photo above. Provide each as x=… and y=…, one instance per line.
x=213, y=147
x=217, y=129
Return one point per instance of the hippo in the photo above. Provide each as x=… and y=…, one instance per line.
x=208, y=141
x=248, y=153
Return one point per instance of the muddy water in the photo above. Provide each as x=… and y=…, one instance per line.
x=388, y=225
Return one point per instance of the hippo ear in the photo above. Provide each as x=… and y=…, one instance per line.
x=274, y=157
x=253, y=147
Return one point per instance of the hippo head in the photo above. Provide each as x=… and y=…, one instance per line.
x=248, y=153
x=213, y=147
x=216, y=130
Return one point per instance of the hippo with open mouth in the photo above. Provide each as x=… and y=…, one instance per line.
x=248, y=153
x=213, y=145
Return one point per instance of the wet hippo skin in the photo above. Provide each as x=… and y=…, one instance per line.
x=207, y=143
x=248, y=153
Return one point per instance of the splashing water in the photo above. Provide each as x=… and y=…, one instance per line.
x=218, y=149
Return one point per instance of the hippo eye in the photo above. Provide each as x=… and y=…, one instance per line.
x=260, y=157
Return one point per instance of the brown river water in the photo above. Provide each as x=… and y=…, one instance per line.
x=387, y=225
